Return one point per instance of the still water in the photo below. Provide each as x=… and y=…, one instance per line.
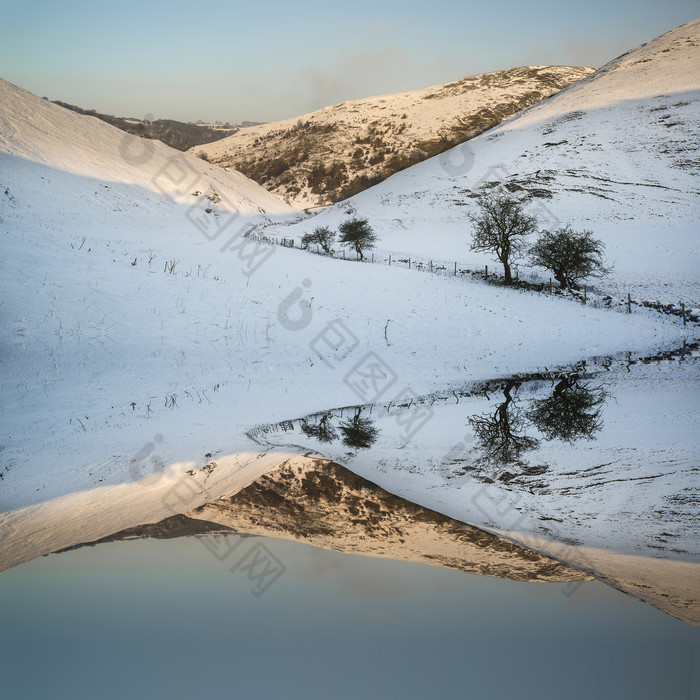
x=170, y=619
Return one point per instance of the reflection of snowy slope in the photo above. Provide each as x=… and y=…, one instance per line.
x=616, y=153
x=627, y=487
x=321, y=503
x=635, y=460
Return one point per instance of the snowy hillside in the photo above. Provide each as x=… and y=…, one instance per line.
x=144, y=334
x=129, y=312
x=327, y=155
x=617, y=153
x=38, y=136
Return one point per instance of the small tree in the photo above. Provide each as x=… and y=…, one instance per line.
x=321, y=236
x=357, y=234
x=501, y=228
x=570, y=255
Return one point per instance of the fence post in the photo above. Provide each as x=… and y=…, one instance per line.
x=584, y=293
x=550, y=285
x=372, y=257
x=455, y=269
x=389, y=260
x=629, y=303
x=409, y=263
x=683, y=312
x=343, y=253
x=431, y=265
x=486, y=272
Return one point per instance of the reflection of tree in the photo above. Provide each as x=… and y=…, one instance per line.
x=499, y=434
x=322, y=431
x=359, y=432
x=571, y=413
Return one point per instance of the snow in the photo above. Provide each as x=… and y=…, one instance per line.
x=649, y=435
x=616, y=153
x=140, y=334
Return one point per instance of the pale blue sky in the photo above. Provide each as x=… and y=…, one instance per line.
x=269, y=60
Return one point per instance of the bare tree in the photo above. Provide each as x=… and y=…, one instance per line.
x=322, y=431
x=570, y=255
x=501, y=228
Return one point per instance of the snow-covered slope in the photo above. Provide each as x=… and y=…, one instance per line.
x=617, y=153
x=36, y=132
x=327, y=155
x=125, y=308
x=143, y=334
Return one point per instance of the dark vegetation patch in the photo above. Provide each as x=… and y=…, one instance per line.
x=179, y=135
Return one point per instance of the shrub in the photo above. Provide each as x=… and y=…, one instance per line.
x=570, y=255
x=357, y=234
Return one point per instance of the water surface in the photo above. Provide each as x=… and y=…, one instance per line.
x=153, y=618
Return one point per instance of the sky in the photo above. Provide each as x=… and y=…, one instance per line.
x=273, y=59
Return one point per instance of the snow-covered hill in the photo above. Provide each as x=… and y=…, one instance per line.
x=134, y=306
x=617, y=153
x=37, y=135
x=327, y=155
x=143, y=334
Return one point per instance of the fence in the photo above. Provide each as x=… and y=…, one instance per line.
x=528, y=281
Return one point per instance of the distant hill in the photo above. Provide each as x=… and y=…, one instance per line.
x=180, y=135
x=333, y=153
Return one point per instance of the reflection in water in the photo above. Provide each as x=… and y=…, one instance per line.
x=322, y=431
x=324, y=504
x=357, y=432
x=168, y=620
x=565, y=496
x=571, y=412
x=499, y=434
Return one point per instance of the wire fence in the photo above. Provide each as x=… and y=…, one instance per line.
x=522, y=279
